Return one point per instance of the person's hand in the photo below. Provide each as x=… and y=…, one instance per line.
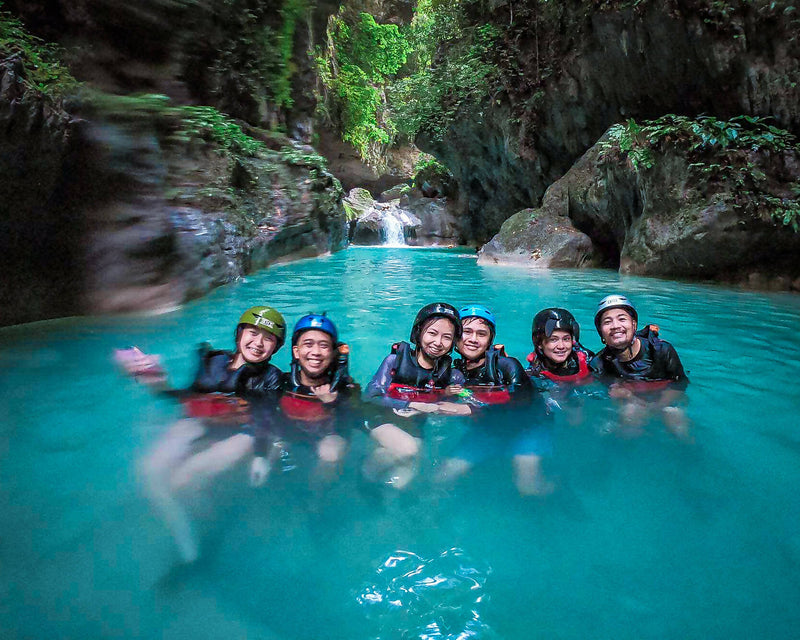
x=259, y=470
x=324, y=393
x=406, y=413
x=145, y=368
x=453, y=409
x=424, y=407
x=453, y=389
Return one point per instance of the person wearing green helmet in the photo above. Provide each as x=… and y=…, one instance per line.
x=644, y=371
x=216, y=405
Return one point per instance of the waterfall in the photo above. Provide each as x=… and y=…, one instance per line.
x=393, y=230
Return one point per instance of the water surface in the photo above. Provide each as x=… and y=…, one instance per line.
x=644, y=538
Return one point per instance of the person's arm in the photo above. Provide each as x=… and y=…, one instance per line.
x=447, y=407
x=378, y=388
x=672, y=369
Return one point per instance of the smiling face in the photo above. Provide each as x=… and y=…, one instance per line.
x=255, y=345
x=314, y=353
x=436, y=338
x=476, y=336
x=617, y=328
x=558, y=346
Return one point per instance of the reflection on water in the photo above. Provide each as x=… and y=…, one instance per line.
x=643, y=538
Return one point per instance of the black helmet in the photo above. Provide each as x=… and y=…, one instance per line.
x=436, y=310
x=614, y=301
x=552, y=319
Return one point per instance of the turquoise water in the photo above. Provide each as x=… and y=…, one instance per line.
x=643, y=538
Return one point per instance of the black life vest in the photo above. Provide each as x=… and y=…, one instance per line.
x=487, y=388
x=216, y=386
x=412, y=382
x=637, y=381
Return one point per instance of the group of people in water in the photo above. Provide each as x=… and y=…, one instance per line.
x=241, y=406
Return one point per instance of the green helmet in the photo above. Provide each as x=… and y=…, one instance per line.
x=265, y=318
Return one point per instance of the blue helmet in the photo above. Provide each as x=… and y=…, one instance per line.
x=479, y=311
x=317, y=322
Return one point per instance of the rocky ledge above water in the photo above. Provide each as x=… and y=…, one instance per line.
x=672, y=209
x=111, y=205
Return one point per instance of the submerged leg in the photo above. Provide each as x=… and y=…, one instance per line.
x=528, y=476
x=156, y=468
x=202, y=467
x=395, y=457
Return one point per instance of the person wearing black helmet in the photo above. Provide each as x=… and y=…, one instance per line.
x=497, y=383
x=217, y=405
x=316, y=395
x=414, y=381
x=646, y=371
x=558, y=355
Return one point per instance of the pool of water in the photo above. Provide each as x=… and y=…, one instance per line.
x=643, y=538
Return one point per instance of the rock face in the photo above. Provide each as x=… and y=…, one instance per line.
x=579, y=68
x=110, y=210
x=440, y=223
x=671, y=219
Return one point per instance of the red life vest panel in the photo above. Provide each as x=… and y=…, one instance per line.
x=302, y=407
x=581, y=377
x=216, y=407
x=491, y=394
x=400, y=391
x=645, y=386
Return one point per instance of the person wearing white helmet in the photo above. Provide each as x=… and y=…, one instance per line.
x=646, y=370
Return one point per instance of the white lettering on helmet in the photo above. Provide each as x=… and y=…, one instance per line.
x=265, y=321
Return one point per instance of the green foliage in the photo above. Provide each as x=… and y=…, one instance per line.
x=631, y=141
x=43, y=68
x=361, y=58
x=238, y=54
x=435, y=95
x=428, y=168
x=724, y=151
x=296, y=157
x=380, y=81
x=209, y=124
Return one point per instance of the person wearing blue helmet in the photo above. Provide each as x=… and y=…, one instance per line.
x=489, y=374
x=316, y=396
x=499, y=385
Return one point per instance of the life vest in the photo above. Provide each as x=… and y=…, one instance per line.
x=648, y=336
x=304, y=406
x=582, y=376
x=412, y=382
x=297, y=402
x=216, y=407
x=214, y=376
x=488, y=391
